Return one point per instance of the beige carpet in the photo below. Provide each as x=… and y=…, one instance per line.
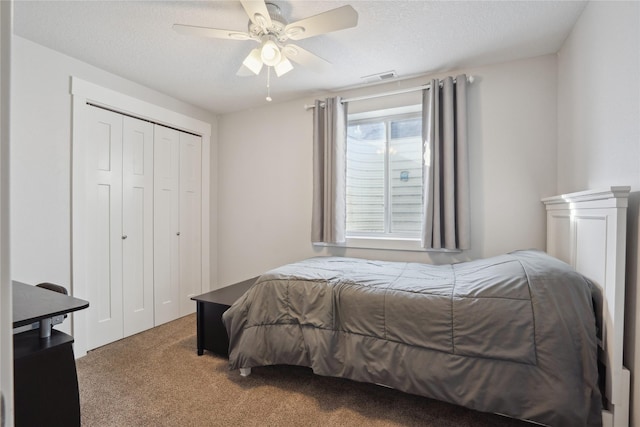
x=156, y=378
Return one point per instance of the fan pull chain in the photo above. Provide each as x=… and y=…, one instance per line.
x=268, y=84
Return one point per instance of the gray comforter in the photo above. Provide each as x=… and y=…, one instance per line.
x=513, y=334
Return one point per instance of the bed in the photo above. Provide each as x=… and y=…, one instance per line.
x=517, y=334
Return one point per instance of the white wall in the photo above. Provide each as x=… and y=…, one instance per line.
x=265, y=172
x=598, y=93
x=41, y=157
x=599, y=131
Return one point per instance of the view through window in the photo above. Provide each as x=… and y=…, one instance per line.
x=384, y=175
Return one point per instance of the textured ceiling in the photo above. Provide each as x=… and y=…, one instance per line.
x=134, y=39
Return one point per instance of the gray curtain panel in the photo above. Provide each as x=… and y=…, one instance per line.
x=329, y=171
x=445, y=167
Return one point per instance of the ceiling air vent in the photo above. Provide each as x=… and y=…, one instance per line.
x=387, y=75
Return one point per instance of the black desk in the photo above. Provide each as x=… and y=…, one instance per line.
x=44, y=368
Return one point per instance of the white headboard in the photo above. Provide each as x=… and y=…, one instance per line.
x=588, y=230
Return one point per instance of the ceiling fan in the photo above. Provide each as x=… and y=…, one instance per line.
x=268, y=27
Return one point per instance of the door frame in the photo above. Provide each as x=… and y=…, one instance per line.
x=83, y=92
x=6, y=316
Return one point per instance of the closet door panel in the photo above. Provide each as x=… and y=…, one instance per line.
x=104, y=240
x=190, y=221
x=166, y=224
x=137, y=230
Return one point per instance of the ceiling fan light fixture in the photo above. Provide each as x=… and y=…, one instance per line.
x=283, y=67
x=268, y=27
x=270, y=53
x=253, y=61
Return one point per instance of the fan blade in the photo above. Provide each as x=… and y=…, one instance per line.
x=305, y=58
x=258, y=13
x=217, y=33
x=326, y=22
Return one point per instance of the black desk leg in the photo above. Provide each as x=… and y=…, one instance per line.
x=200, y=327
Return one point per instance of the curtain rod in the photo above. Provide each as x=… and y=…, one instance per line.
x=395, y=92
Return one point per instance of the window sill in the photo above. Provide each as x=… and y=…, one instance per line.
x=392, y=244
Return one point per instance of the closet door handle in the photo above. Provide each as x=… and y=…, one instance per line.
x=178, y=233
x=124, y=237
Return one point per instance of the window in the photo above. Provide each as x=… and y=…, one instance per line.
x=378, y=175
x=384, y=174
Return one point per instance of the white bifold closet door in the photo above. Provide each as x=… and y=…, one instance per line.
x=120, y=226
x=177, y=222
x=190, y=221
x=137, y=225
x=166, y=225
